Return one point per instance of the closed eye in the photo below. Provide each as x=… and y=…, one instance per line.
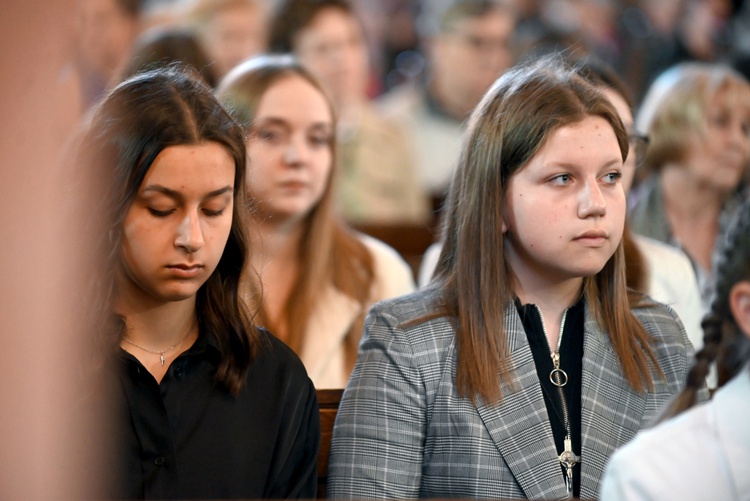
x=213, y=213
x=160, y=213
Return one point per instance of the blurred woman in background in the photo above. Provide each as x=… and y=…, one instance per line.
x=317, y=277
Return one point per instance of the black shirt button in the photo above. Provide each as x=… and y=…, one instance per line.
x=159, y=461
x=178, y=372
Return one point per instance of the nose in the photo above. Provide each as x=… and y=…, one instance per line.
x=591, y=201
x=739, y=137
x=189, y=234
x=296, y=152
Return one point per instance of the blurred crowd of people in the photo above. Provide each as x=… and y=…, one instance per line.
x=404, y=74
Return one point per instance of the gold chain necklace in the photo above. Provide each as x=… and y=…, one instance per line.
x=159, y=352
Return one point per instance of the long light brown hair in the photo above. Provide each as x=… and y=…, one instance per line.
x=510, y=125
x=332, y=252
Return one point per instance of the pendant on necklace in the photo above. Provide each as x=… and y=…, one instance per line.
x=558, y=377
x=161, y=355
x=568, y=459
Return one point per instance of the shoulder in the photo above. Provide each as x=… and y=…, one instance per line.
x=412, y=319
x=392, y=275
x=276, y=360
x=660, y=321
x=653, y=464
x=671, y=345
x=429, y=263
x=672, y=281
x=374, y=123
x=400, y=102
x=668, y=436
x=662, y=254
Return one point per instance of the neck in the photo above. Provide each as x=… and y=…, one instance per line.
x=551, y=298
x=277, y=241
x=452, y=103
x=552, y=301
x=160, y=326
x=687, y=198
x=276, y=258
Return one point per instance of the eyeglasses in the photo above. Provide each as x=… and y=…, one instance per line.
x=636, y=140
x=481, y=44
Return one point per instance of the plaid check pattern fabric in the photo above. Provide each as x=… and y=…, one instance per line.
x=403, y=432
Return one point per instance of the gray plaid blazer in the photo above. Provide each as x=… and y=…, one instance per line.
x=403, y=432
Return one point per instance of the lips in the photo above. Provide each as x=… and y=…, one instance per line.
x=593, y=238
x=293, y=185
x=183, y=270
x=593, y=234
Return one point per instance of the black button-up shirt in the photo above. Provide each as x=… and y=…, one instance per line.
x=188, y=437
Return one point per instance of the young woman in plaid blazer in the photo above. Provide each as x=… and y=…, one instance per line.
x=526, y=362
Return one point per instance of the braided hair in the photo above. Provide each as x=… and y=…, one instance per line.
x=722, y=340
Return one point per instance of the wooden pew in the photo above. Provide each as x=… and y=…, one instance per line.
x=328, y=401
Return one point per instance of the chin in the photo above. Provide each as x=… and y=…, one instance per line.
x=588, y=269
x=177, y=294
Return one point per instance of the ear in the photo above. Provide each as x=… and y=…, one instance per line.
x=739, y=303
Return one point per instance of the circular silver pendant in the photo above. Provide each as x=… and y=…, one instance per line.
x=558, y=377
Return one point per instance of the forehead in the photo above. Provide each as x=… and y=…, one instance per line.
x=620, y=105
x=100, y=7
x=236, y=14
x=328, y=23
x=731, y=97
x=294, y=96
x=204, y=166
x=590, y=142
x=495, y=22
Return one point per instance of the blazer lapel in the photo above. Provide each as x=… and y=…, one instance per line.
x=519, y=423
x=611, y=412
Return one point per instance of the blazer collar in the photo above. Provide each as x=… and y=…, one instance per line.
x=519, y=423
x=611, y=411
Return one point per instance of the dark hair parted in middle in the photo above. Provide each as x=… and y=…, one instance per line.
x=136, y=121
x=507, y=129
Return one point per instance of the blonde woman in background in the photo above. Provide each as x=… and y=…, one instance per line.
x=697, y=119
x=318, y=277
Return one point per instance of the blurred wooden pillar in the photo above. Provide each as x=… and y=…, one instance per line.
x=38, y=336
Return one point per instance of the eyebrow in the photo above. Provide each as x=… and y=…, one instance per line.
x=284, y=123
x=572, y=166
x=178, y=196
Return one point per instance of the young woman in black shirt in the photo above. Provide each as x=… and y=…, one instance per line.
x=206, y=404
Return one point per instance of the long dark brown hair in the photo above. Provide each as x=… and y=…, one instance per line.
x=333, y=254
x=135, y=122
x=509, y=126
